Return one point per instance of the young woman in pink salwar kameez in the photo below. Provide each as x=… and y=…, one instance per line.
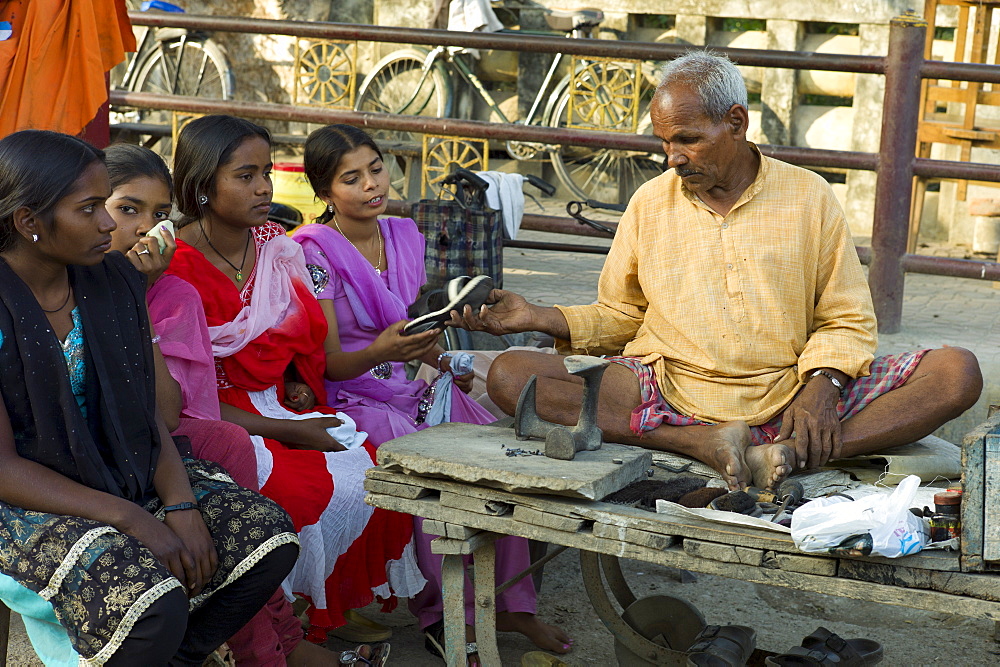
x=366, y=272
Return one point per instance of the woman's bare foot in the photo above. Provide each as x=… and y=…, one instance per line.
x=723, y=448
x=769, y=464
x=307, y=654
x=544, y=636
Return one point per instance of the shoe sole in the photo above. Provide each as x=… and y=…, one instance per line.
x=474, y=293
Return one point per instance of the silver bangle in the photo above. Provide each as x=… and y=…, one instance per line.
x=828, y=375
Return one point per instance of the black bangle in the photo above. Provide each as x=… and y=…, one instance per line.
x=180, y=506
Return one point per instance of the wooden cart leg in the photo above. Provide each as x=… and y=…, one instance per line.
x=453, y=594
x=486, y=605
x=480, y=546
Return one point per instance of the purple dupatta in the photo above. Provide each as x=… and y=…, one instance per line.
x=374, y=306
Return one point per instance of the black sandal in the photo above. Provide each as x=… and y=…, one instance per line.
x=827, y=649
x=459, y=293
x=722, y=646
x=434, y=642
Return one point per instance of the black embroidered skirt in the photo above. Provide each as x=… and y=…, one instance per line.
x=100, y=581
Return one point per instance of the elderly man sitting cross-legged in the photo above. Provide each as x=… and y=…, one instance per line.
x=735, y=296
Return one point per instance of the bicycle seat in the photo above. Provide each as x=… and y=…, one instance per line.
x=573, y=19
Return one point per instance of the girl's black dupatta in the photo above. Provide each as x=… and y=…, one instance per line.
x=115, y=448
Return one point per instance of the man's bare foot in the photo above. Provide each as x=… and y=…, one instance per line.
x=722, y=448
x=307, y=654
x=544, y=636
x=769, y=464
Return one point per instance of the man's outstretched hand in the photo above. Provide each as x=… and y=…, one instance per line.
x=505, y=313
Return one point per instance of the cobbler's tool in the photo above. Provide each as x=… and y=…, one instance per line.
x=790, y=493
x=563, y=442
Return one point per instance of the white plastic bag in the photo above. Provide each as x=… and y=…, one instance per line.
x=823, y=525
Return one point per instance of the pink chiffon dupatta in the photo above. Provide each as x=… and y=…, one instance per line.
x=280, y=264
x=177, y=317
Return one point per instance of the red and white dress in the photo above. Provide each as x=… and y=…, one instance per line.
x=350, y=552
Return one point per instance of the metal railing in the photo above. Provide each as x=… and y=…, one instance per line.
x=895, y=165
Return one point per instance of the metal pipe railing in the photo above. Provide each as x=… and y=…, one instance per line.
x=806, y=157
x=895, y=164
x=514, y=41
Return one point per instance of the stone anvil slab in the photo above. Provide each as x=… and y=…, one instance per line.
x=477, y=455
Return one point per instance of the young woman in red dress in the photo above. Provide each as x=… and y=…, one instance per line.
x=267, y=333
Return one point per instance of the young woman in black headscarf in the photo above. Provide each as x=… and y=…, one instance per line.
x=145, y=558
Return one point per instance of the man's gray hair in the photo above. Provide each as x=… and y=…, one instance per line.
x=713, y=76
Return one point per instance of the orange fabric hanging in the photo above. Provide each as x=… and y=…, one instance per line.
x=52, y=68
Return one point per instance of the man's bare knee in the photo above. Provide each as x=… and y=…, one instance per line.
x=956, y=377
x=507, y=376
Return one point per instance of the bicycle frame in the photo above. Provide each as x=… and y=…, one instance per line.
x=157, y=38
x=472, y=79
x=465, y=71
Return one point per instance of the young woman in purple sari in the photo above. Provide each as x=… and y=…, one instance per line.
x=366, y=272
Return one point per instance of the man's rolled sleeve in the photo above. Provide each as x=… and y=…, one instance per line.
x=844, y=328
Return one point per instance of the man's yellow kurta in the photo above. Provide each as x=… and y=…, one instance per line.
x=732, y=311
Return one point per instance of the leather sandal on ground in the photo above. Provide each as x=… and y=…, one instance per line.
x=722, y=646
x=360, y=629
x=460, y=292
x=434, y=643
x=366, y=655
x=827, y=649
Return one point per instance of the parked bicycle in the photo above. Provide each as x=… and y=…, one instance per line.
x=608, y=96
x=174, y=61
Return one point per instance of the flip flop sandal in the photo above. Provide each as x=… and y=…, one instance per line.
x=722, y=646
x=827, y=649
x=461, y=292
x=541, y=659
x=428, y=301
x=434, y=642
x=360, y=630
x=378, y=654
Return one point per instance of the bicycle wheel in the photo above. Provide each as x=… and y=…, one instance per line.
x=605, y=174
x=399, y=84
x=195, y=67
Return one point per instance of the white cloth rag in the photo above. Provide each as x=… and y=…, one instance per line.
x=506, y=194
x=472, y=15
x=347, y=433
x=440, y=412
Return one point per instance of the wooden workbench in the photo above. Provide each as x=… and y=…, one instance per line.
x=469, y=516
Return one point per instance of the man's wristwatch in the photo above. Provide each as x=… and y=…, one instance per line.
x=836, y=383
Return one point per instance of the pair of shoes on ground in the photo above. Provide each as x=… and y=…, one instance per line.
x=434, y=308
x=825, y=648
